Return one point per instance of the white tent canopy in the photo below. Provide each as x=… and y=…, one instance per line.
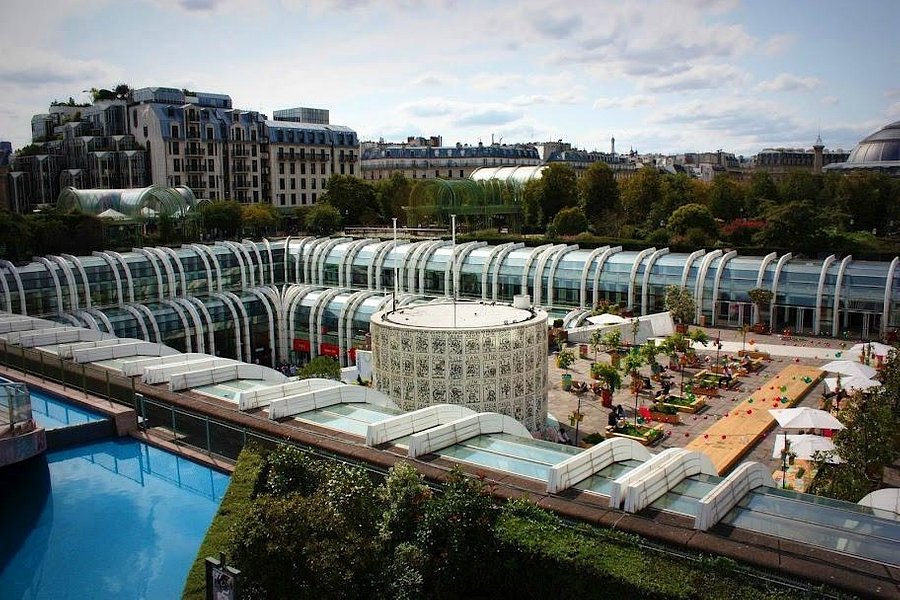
x=887, y=500
x=111, y=213
x=805, y=418
x=850, y=383
x=850, y=368
x=606, y=319
x=876, y=348
x=805, y=446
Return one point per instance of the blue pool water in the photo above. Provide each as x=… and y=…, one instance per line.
x=112, y=519
x=51, y=413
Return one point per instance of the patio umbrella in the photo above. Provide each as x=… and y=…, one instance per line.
x=876, y=348
x=805, y=418
x=887, y=499
x=805, y=446
x=850, y=383
x=606, y=319
x=850, y=368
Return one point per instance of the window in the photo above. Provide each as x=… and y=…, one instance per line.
x=255, y=181
x=253, y=151
x=436, y=174
x=323, y=168
x=293, y=168
x=134, y=118
x=255, y=166
x=281, y=184
x=211, y=149
x=303, y=198
x=293, y=183
x=145, y=131
x=210, y=164
x=174, y=131
x=281, y=168
x=313, y=198
x=351, y=168
x=342, y=169
x=176, y=180
x=255, y=196
x=212, y=181
x=176, y=165
x=312, y=183
x=209, y=133
x=294, y=199
x=175, y=148
x=303, y=183
x=303, y=168
x=461, y=176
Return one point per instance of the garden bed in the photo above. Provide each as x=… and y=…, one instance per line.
x=691, y=404
x=640, y=433
x=662, y=417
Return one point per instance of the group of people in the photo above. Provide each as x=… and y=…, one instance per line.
x=616, y=418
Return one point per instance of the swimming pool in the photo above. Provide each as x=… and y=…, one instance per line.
x=111, y=519
x=52, y=413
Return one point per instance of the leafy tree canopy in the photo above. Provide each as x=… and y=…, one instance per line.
x=323, y=219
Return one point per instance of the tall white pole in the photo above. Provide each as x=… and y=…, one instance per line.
x=396, y=271
x=453, y=265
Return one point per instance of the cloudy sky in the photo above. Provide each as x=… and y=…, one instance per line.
x=660, y=76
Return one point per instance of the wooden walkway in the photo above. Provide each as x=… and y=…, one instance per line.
x=732, y=436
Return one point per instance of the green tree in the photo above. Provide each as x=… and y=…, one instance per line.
x=323, y=219
x=799, y=186
x=321, y=366
x=871, y=200
x=598, y=197
x=221, y=218
x=680, y=302
x=261, y=218
x=404, y=495
x=15, y=237
x=760, y=189
x=392, y=195
x=676, y=191
x=726, y=198
x=639, y=193
x=560, y=190
x=570, y=221
x=532, y=201
x=691, y=216
x=796, y=224
x=354, y=199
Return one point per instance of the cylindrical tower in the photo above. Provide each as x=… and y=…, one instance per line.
x=490, y=358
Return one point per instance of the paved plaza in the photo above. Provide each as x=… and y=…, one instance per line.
x=812, y=352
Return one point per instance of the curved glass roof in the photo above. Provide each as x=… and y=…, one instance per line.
x=509, y=174
x=879, y=150
x=138, y=203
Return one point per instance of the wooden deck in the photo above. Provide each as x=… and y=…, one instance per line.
x=732, y=436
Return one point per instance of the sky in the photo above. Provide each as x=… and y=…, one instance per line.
x=659, y=76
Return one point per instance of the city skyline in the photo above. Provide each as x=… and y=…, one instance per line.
x=703, y=75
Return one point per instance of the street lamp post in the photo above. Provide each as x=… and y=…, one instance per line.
x=682, y=360
x=718, y=346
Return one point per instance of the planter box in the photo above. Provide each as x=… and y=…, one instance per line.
x=691, y=408
x=754, y=354
x=644, y=440
x=700, y=390
x=660, y=417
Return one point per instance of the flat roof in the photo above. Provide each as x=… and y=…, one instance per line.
x=460, y=315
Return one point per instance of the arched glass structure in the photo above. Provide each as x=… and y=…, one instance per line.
x=138, y=203
x=301, y=297
x=877, y=152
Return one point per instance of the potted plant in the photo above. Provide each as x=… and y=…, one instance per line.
x=680, y=303
x=564, y=360
x=610, y=380
x=611, y=341
x=760, y=297
x=633, y=362
x=649, y=350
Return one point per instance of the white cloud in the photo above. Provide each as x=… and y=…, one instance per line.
x=779, y=44
x=462, y=114
x=434, y=79
x=893, y=111
x=574, y=95
x=628, y=102
x=785, y=82
x=830, y=100
x=485, y=82
x=696, y=77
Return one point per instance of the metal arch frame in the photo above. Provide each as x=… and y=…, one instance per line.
x=720, y=270
x=248, y=243
x=292, y=296
x=198, y=321
x=130, y=309
x=88, y=319
x=226, y=301
x=487, y=267
x=111, y=263
x=239, y=304
x=176, y=260
x=272, y=319
x=345, y=271
x=778, y=268
x=300, y=262
x=495, y=284
x=204, y=251
x=23, y=308
x=249, y=256
x=377, y=264
x=287, y=256
x=59, y=299
x=760, y=276
x=309, y=261
x=688, y=263
x=551, y=278
x=347, y=314
x=151, y=258
x=230, y=246
x=99, y=313
x=461, y=257
x=538, y=281
x=820, y=291
x=601, y=262
x=184, y=322
x=632, y=278
x=888, y=287
x=271, y=256
x=152, y=319
x=81, y=271
x=167, y=267
x=535, y=252
x=74, y=320
x=275, y=299
x=6, y=293
x=70, y=280
x=324, y=253
x=210, y=330
x=422, y=263
x=700, y=284
x=585, y=270
x=128, y=277
x=316, y=313
x=408, y=271
x=836, y=315
x=645, y=283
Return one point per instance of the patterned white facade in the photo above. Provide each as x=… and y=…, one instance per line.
x=492, y=362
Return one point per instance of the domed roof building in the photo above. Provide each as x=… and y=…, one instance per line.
x=877, y=152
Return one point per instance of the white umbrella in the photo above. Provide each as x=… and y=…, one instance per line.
x=805, y=446
x=606, y=319
x=876, y=348
x=805, y=418
x=850, y=368
x=850, y=383
x=887, y=499
x=111, y=213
